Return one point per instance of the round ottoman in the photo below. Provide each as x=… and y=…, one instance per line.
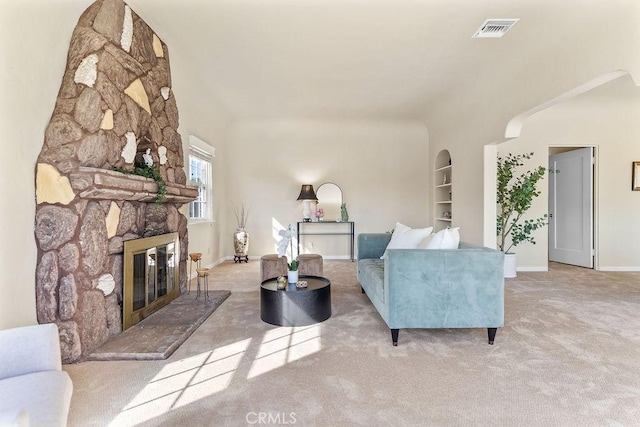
x=272, y=266
x=310, y=264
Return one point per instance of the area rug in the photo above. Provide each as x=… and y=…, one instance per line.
x=159, y=335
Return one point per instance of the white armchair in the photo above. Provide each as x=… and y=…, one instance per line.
x=33, y=388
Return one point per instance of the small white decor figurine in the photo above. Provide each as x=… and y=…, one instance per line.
x=287, y=236
x=148, y=160
x=287, y=239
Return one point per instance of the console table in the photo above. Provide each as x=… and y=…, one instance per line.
x=349, y=231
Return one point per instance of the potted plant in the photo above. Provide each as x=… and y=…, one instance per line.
x=515, y=194
x=283, y=244
x=148, y=170
x=292, y=274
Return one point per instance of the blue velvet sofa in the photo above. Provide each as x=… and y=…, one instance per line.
x=433, y=288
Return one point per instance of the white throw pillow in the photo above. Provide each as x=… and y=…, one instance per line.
x=425, y=241
x=449, y=238
x=404, y=237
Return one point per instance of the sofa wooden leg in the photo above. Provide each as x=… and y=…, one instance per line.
x=492, y=334
x=362, y=289
x=394, y=336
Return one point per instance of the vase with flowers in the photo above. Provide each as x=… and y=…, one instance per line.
x=283, y=244
x=319, y=214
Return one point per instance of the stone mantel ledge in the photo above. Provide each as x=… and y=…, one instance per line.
x=104, y=184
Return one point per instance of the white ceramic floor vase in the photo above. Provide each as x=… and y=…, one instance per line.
x=241, y=242
x=509, y=265
x=292, y=276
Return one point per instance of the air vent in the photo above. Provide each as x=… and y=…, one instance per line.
x=494, y=28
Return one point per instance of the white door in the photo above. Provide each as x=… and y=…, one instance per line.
x=571, y=207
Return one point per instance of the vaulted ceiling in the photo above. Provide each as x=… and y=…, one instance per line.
x=391, y=59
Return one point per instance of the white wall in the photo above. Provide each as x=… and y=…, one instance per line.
x=381, y=167
x=203, y=116
x=35, y=39
x=477, y=111
x=608, y=118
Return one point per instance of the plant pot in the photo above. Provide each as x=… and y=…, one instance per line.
x=509, y=265
x=292, y=276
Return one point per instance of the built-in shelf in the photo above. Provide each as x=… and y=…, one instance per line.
x=443, y=201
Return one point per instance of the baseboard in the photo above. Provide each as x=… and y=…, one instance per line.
x=218, y=262
x=532, y=269
x=257, y=258
x=346, y=257
x=336, y=257
x=629, y=269
x=210, y=265
x=611, y=269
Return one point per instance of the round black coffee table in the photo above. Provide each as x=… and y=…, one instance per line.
x=296, y=306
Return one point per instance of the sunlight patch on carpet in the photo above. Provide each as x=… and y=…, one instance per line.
x=285, y=345
x=183, y=382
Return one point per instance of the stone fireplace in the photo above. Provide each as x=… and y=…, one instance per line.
x=115, y=104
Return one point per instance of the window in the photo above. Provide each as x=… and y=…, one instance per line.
x=200, y=171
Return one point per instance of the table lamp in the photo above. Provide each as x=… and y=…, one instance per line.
x=307, y=195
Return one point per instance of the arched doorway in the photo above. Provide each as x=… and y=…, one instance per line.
x=599, y=114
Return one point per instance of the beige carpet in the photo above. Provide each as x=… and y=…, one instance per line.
x=569, y=355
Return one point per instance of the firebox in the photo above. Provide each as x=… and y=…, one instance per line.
x=151, y=278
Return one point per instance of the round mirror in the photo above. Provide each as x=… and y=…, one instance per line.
x=330, y=199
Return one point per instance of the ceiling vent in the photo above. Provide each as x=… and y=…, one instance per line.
x=494, y=28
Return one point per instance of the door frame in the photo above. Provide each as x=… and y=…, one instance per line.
x=596, y=204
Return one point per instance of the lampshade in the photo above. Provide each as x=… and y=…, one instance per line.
x=307, y=193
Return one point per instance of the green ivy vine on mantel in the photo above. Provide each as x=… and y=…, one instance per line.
x=148, y=172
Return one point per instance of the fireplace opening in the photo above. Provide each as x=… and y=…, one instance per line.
x=151, y=278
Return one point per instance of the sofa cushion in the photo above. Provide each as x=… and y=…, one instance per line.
x=45, y=396
x=372, y=272
x=15, y=419
x=404, y=237
x=449, y=238
x=29, y=349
